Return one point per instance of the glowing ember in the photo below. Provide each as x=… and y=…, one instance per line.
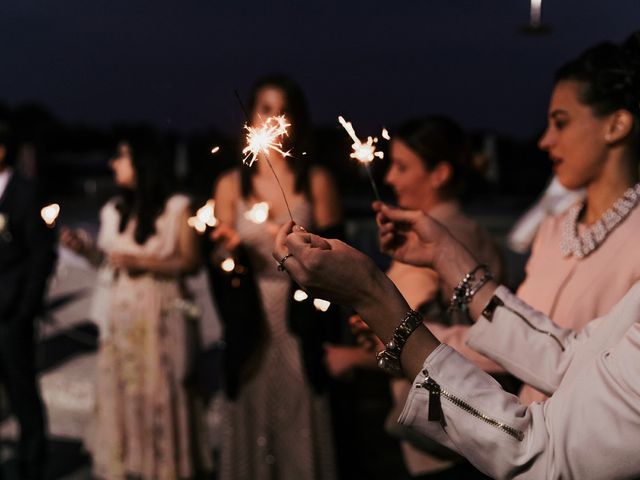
x=215, y=150
x=265, y=138
x=363, y=152
x=228, y=264
x=204, y=217
x=385, y=134
x=258, y=213
x=50, y=213
x=300, y=296
x=321, y=305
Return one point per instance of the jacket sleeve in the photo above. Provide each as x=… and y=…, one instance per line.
x=534, y=349
x=41, y=245
x=590, y=428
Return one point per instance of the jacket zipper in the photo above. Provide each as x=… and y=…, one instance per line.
x=435, y=407
x=499, y=303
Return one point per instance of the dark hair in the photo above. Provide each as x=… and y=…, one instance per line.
x=154, y=183
x=299, y=138
x=437, y=139
x=610, y=77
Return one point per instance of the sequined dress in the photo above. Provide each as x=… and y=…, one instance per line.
x=277, y=428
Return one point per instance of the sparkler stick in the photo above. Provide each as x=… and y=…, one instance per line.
x=260, y=140
x=363, y=152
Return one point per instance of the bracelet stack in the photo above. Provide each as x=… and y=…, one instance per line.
x=389, y=358
x=470, y=284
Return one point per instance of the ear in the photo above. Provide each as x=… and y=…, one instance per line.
x=619, y=126
x=441, y=175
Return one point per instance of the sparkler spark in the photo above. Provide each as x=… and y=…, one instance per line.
x=204, y=217
x=385, y=134
x=228, y=265
x=322, y=305
x=265, y=138
x=50, y=213
x=215, y=150
x=363, y=152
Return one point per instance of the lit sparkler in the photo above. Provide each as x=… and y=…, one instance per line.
x=204, y=217
x=265, y=138
x=259, y=213
x=228, y=265
x=50, y=213
x=363, y=152
x=385, y=134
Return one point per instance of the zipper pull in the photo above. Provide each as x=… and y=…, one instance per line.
x=435, y=406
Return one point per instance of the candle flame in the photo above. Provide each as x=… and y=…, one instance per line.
x=265, y=138
x=204, y=217
x=228, y=265
x=259, y=213
x=50, y=213
x=322, y=305
x=363, y=152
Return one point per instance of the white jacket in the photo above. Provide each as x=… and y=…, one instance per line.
x=588, y=429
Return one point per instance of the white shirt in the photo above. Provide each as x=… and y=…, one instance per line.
x=5, y=176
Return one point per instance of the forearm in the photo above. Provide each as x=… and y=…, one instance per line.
x=167, y=266
x=384, y=316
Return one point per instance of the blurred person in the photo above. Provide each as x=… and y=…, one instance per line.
x=276, y=414
x=145, y=423
x=429, y=158
x=27, y=257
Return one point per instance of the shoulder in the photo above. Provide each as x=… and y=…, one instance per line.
x=321, y=183
x=228, y=184
x=178, y=202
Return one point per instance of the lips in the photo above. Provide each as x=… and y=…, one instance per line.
x=555, y=162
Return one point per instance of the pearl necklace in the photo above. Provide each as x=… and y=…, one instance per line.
x=582, y=245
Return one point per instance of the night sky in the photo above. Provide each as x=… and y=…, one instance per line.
x=177, y=63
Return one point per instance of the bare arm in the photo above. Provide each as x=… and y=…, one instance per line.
x=327, y=210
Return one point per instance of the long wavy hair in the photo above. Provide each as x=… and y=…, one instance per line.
x=152, y=164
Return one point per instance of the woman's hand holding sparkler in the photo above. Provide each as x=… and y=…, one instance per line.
x=226, y=236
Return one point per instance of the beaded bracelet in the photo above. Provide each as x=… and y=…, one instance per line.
x=468, y=287
x=389, y=358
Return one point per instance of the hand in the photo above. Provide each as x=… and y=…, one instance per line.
x=365, y=337
x=341, y=360
x=411, y=236
x=77, y=240
x=328, y=269
x=126, y=261
x=226, y=235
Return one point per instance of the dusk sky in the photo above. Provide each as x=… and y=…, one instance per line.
x=177, y=63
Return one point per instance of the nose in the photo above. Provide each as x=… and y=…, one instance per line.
x=390, y=175
x=546, y=140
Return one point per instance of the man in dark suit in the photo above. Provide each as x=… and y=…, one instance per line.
x=27, y=257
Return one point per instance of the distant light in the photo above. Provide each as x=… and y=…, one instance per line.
x=321, y=305
x=50, y=213
x=215, y=150
x=205, y=217
x=300, y=296
x=228, y=265
x=304, y=153
x=259, y=213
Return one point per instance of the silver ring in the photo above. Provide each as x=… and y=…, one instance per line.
x=281, y=262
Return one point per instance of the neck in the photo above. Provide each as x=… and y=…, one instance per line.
x=618, y=175
x=432, y=201
x=3, y=167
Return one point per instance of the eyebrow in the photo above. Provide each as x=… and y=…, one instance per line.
x=557, y=112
